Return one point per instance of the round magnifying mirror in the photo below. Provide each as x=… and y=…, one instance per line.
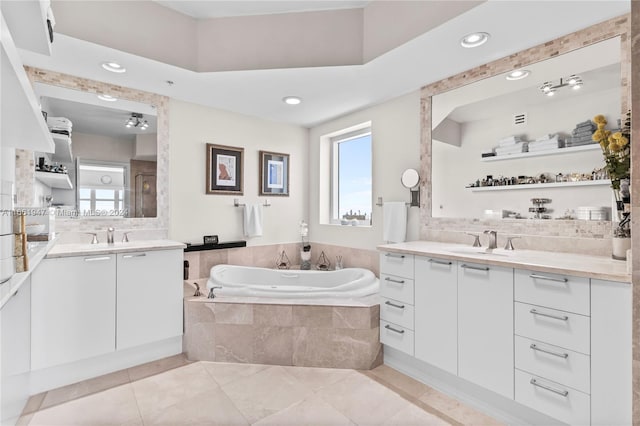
x=410, y=178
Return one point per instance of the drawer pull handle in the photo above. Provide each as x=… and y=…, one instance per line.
x=547, y=351
x=564, y=393
x=398, y=256
x=476, y=268
x=542, y=277
x=388, y=327
x=129, y=256
x=96, y=259
x=394, y=281
x=439, y=262
x=394, y=305
x=542, y=314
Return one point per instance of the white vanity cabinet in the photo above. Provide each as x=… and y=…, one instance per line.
x=15, y=354
x=436, y=312
x=485, y=326
x=149, y=297
x=73, y=307
x=397, y=301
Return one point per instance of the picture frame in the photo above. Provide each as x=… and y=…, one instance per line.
x=274, y=173
x=225, y=169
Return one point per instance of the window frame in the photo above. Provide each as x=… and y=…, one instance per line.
x=120, y=204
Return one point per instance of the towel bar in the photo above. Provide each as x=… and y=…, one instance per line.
x=236, y=203
x=380, y=203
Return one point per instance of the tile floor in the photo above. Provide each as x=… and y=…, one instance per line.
x=175, y=392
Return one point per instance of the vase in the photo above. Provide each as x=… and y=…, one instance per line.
x=619, y=247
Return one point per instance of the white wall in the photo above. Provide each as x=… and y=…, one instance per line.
x=194, y=213
x=396, y=146
x=456, y=167
x=97, y=147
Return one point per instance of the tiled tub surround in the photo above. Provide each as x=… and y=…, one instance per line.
x=552, y=235
x=200, y=262
x=282, y=332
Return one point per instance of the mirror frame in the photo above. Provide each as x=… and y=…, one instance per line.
x=431, y=226
x=161, y=103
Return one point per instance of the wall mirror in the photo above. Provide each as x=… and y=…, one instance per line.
x=471, y=121
x=110, y=154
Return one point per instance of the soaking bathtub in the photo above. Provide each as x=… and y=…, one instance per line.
x=292, y=284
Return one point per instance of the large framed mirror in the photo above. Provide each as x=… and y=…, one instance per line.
x=118, y=159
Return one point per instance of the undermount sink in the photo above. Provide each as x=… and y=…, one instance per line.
x=481, y=251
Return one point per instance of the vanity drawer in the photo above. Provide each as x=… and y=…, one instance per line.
x=564, y=292
x=397, y=288
x=560, y=365
x=555, y=400
x=396, y=336
x=396, y=312
x=564, y=329
x=398, y=264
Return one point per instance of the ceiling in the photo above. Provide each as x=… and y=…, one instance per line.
x=217, y=9
x=329, y=92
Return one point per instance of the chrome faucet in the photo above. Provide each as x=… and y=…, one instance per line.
x=493, y=239
x=110, y=231
x=211, y=295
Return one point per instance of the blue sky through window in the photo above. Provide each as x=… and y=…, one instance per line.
x=354, y=191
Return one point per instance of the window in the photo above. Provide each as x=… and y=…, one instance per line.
x=101, y=189
x=351, y=177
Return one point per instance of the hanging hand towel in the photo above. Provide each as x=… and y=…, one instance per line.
x=253, y=220
x=394, y=216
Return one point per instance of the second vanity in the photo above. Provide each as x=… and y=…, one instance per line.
x=539, y=336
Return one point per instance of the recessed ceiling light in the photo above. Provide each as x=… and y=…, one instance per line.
x=107, y=98
x=113, y=67
x=474, y=39
x=518, y=75
x=291, y=100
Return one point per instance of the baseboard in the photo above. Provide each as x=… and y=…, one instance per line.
x=497, y=406
x=66, y=374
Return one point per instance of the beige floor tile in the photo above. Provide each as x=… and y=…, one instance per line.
x=224, y=372
x=155, y=367
x=311, y=411
x=84, y=388
x=411, y=386
x=265, y=393
x=115, y=406
x=412, y=415
x=210, y=408
x=316, y=378
x=456, y=410
x=158, y=392
x=363, y=400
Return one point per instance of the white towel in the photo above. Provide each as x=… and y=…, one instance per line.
x=253, y=220
x=394, y=217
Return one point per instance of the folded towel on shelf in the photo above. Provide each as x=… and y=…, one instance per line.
x=394, y=221
x=253, y=220
x=514, y=149
x=586, y=123
x=510, y=141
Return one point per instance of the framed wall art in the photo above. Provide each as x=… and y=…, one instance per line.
x=225, y=168
x=274, y=173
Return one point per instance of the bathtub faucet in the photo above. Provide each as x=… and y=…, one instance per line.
x=211, y=295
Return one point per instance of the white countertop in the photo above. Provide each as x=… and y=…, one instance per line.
x=37, y=252
x=579, y=265
x=66, y=250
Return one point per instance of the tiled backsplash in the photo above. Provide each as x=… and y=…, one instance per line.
x=552, y=235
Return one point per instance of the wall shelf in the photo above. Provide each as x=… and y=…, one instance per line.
x=63, y=148
x=55, y=180
x=541, y=185
x=558, y=151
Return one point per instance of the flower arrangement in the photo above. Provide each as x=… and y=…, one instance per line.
x=617, y=157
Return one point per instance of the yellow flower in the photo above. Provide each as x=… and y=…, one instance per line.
x=603, y=144
x=617, y=136
x=614, y=147
x=598, y=135
x=599, y=119
x=623, y=141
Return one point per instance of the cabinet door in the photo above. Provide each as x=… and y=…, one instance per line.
x=15, y=354
x=73, y=306
x=149, y=297
x=485, y=326
x=436, y=313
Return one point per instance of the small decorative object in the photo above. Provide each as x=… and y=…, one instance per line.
x=283, y=261
x=305, y=255
x=323, y=262
x=225, y=167
x=210, y=239
x=274, y=173
x=616, y=148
